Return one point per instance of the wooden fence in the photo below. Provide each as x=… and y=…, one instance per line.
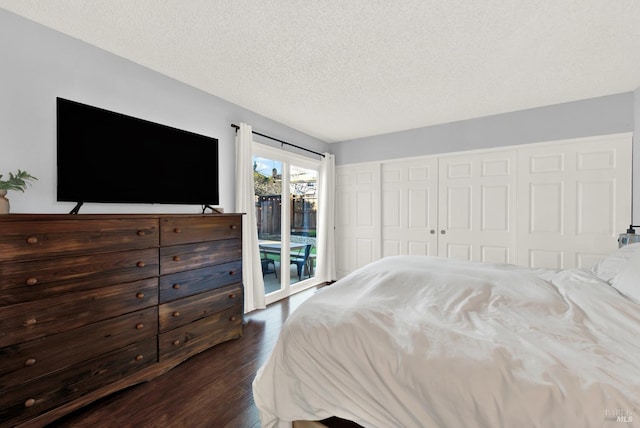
x=303, y=215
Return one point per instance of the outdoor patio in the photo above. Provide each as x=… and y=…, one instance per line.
x=271, y=283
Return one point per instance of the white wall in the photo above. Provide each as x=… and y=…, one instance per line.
x=636, y=161
x=39, y=64
x=611, y=114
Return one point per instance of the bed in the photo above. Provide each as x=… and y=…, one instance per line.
x=412, y=341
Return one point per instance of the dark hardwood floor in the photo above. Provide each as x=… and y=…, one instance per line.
x=212, y=389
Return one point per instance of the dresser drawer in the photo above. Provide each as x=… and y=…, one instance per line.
x=39, y=279
x=37, y=239
x=36, y=397
x=184, y=230
x=27, y=321
x=180, y=312
x=193, y=256
x=192, y=338
x=183, y=284
x=30, y=360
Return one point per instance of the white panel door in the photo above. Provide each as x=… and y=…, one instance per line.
x=357, y=216
x=476, y=205
x=410, y=207
x=574, y=200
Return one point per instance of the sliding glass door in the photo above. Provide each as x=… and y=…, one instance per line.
x=286, y=203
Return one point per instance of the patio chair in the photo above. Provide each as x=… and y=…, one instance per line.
x=266, y=262
x=301, y=259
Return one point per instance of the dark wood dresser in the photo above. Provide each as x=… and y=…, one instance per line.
x=91, y=304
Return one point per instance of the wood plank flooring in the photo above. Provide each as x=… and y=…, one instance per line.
x=210, y=390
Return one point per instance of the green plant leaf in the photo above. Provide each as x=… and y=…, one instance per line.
x=17, y=181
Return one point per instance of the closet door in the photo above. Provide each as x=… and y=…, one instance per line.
x=575, y=198
x=477, y=200
x=410, y=207
x=358, y=226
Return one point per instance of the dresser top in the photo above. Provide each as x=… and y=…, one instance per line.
x=36, y=217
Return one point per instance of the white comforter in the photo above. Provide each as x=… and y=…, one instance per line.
x=433, y=342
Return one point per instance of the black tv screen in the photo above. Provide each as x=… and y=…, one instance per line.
x=104, y=156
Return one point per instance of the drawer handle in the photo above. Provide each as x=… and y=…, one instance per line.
x=232, y=272
x=32, y=281
x=176, y=342
x=139, y=326
x=30, y=362
x=176, y=286
x=32, y=240
x=141, y=233
x=176, y=258
x=175, y=314
x=177, y=230
x=232, y=296
x=30, y=402
x=140, y=295
x=232, y=318
x=30, y=321
x=233, y=227
x=140, y=264
x=139, y=357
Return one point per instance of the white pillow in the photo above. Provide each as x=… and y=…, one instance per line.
x=628, y=280
x=607, y=268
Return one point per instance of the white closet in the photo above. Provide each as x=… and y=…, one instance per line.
x=357, y=216
x=575, y=200
x=476, y=206
x=557, y=204
x=410, y=207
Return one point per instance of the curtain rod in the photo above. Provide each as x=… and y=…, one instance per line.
x=233, y=125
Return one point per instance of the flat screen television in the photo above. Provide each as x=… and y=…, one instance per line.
x=104, y=156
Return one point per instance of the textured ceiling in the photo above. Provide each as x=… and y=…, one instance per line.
x=340, y=70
